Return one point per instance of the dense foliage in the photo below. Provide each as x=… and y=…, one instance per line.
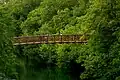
x=98, y=60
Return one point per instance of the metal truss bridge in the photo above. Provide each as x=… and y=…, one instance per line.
x=51, y=39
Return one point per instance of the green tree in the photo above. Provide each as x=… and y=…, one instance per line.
x=102, y=54
x=7, y=57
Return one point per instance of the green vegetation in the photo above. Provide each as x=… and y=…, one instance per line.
x=98, y=60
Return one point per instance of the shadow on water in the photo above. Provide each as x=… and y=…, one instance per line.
x=75, y=70
x=72, y=73
x=44, y=71
x=47, y=74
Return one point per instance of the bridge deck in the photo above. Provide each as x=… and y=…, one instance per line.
x=50, y=39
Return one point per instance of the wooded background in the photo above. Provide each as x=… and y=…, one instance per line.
x=99, y=60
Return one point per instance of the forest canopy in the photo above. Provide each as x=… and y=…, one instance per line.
x=98, y=60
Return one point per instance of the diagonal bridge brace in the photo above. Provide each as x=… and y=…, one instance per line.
x=50, y=39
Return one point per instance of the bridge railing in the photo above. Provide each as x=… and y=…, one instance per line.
x=41, y=39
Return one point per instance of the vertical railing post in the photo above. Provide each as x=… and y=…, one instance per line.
x=47, y=38
x=39, y=39
x=54, y=39
x=33, y=39
x=68, y=38
x=74, y=39
x=42, y=40
x=61, y=38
